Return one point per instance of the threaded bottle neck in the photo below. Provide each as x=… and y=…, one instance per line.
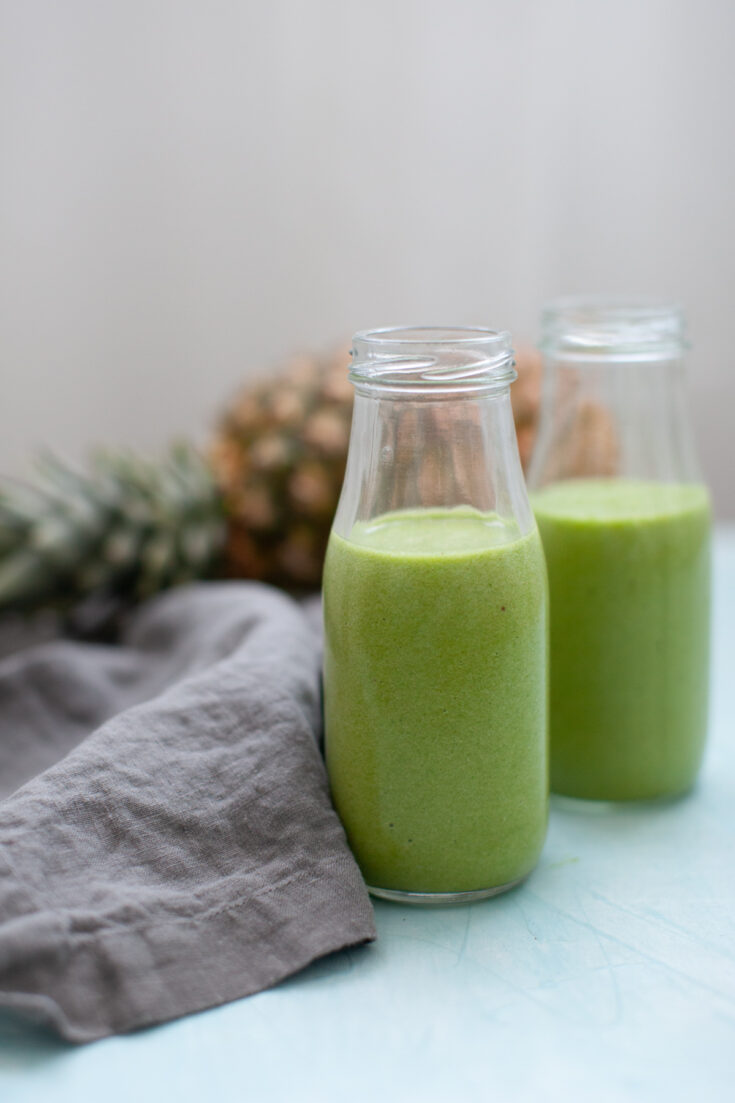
x=596, y=329
x=431, y=360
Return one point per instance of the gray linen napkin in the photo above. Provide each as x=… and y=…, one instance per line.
x=167, y=842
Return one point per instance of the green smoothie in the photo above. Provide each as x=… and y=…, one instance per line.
x=435, y=698
x=628, y=565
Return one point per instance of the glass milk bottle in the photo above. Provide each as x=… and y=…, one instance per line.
x=625, y=523
x=435, y=670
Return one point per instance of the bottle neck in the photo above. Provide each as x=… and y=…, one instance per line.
x=430, y=451
x=613, y=416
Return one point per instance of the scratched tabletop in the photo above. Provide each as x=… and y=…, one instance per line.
x=609, y=975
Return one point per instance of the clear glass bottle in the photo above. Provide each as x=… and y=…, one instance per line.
x=625, y=523
x=435, y=670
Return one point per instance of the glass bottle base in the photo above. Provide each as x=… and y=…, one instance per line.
x=432, y=899
x=593, y=805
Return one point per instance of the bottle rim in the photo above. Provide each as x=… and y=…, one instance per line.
x=596, y=327
x=432, y=359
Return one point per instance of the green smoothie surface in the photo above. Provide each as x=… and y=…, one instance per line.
x=435, y=698
x=434, y=532
x=605, y=501
x=628, y=564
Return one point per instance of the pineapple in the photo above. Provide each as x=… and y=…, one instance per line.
x=259, y=505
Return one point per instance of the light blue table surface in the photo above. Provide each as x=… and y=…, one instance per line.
x=609, y=975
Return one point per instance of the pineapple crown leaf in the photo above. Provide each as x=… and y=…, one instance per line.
x=123, y=526
x=22, y=578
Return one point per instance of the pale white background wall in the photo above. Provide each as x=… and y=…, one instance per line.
x=192, y=188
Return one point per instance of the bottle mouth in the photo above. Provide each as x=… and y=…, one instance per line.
x=595, y=327
x=432, y=359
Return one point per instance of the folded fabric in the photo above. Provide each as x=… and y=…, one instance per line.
x=167, y=842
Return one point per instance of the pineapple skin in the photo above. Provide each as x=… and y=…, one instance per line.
x=278, y=458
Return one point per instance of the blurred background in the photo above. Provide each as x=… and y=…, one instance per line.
x=192, y=190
